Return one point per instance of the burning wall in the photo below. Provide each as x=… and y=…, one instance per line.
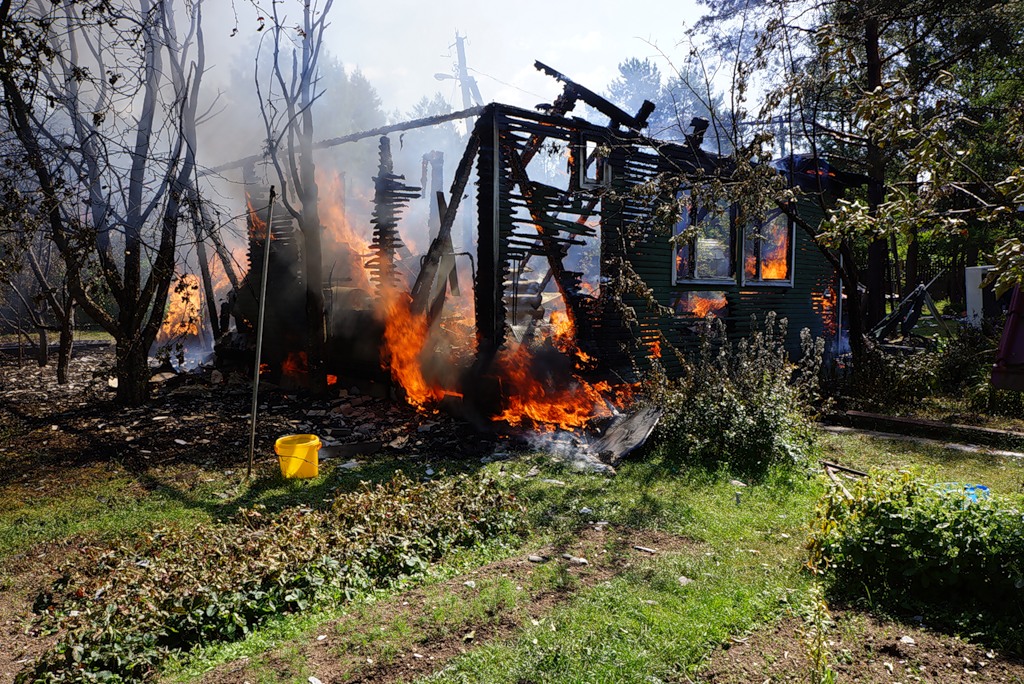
x=538, y=344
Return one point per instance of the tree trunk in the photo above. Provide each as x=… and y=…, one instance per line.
x=132, y=371
x=913, y=255
x=43, y=352
x=67, y=339
x=316, y=325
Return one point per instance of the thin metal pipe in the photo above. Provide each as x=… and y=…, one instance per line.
x=259, y=333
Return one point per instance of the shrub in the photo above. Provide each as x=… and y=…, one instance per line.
x=744, y=404
x=913, y=547
x=886, y=380
x=126, y=609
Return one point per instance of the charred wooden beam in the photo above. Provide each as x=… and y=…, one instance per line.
x=355, y=137
x=489, y=287
x=389, y=198
x=618, y=116
x=553, y=246
x=442, y=244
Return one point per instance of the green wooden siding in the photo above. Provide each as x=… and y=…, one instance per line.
x=799, y=303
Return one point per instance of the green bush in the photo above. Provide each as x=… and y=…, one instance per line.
x=745, y=404
x=126, y=609
x=917, y=547
x=886, y=380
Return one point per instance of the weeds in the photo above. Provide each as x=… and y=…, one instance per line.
x=817, y=624
x=126, y=610
x=910, y=546
x=744, y=405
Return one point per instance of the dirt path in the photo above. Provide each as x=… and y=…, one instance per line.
x=861, y=648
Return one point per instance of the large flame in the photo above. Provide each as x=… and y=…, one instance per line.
x=530, y=400
x=184, y=310
x=530, y=396
x=257, y=226
x=405, y=337
x=775, y=252
x=772, y=241
x=341, y=240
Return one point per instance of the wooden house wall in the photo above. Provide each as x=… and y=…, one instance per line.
x=627, y=235
x=800, y=304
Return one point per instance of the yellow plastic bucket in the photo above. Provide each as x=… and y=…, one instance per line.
x=299, y=455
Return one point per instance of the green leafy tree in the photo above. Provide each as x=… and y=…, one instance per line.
x=883, y=90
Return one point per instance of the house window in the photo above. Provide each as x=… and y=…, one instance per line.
x=706, y=255
x=590, y=167
x=768, y=251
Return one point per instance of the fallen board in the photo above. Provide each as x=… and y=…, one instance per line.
x=626, y=434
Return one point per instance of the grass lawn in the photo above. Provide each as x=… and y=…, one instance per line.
x=678, y=563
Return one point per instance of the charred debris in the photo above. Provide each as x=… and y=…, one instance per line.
x=516, y=312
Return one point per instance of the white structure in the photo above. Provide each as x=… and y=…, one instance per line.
x=973, y=277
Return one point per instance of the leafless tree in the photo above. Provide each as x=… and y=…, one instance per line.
x=102, y=100
x=286, y=105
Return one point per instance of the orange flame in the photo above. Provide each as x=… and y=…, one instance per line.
x=825, y=305
x=773, y=243
x=405, y=337
x=295, y=365
x=700, y=305
x=340, y=238
x=530, y=399
x=184, y=310
x=257, y=226
x=775, y=259
x=563, y=334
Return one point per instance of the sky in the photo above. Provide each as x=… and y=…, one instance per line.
x=400, y=45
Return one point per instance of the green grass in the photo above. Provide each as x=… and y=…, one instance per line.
x=106, y=508
x=643, y=625
x=645, y=622
x=111, y=503
x=1001, y=474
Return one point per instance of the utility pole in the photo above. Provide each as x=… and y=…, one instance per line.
x=470, y=97
x=467, y=82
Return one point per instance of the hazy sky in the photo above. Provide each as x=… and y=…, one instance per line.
x=399, y=45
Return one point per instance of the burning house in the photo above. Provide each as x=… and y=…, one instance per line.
x=569, y=287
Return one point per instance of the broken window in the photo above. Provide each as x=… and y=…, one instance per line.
x=590, y=165
x=768, y=251
x=703, y=246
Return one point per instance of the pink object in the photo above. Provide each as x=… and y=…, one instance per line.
x=1008, y=371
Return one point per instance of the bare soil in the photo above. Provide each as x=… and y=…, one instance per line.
x=862, y=648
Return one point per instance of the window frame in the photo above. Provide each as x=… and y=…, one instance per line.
x=756, y=281
x=690, y=218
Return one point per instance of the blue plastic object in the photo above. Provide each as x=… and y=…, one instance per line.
x=972, y=492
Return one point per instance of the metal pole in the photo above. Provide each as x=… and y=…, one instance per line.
x=259, y=334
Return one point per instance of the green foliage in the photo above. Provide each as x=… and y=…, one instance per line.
x=817, y=623
x=125, y=610
x=889, y=381
x=964, y=366
x=911, y=546
x=745, y=405
x=960, y=368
